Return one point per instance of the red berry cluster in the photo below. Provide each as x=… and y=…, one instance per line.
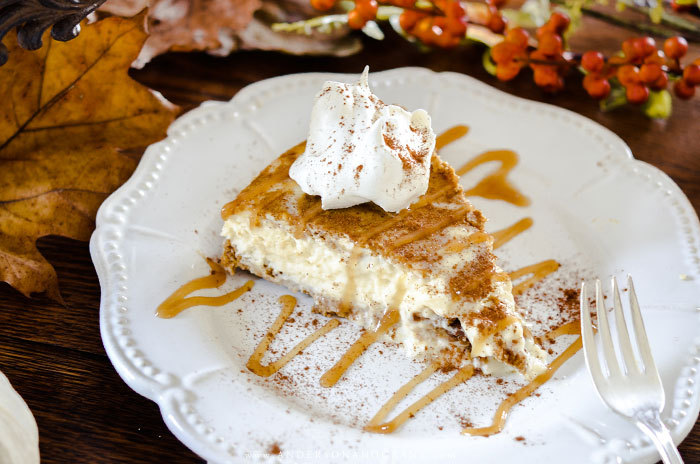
x=444, y=30
x=511, y=54
x=546, y=61
x=495, y=20
x=641, y=69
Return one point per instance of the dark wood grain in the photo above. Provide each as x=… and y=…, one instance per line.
x=53, y=354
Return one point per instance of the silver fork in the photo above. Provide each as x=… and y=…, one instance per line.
x=629, y=388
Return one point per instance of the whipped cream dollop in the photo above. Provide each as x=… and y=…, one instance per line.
x=360, y=149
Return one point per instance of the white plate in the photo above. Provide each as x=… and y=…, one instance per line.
x=596, y=210
x=19, y=435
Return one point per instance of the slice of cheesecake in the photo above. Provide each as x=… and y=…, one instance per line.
x=433, y=262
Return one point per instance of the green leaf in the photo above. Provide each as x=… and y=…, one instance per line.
x=616, y=99
x=371, y=29
x=489, y=65
x=659, y=105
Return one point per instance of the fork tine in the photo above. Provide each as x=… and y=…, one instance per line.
x=629, y=361
x=589, y=346
x=604, y=328
x=640, y=334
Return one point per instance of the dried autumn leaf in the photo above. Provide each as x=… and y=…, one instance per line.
x=69, y=116
x=187, y=25
x=222, y=26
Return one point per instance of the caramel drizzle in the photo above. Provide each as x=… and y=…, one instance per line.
x=496, y=186
x=375, y=425
x=265, y=186
x=455, y=246
x=425, y=232
x=178, y=301
x=334, y=374
x=450, y=135
x=499, y=419
x=503, y=236
x=288, y=304
x=255, y=216
x=307, y=217
x=538, y=270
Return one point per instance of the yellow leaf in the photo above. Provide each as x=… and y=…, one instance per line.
x=71, y=120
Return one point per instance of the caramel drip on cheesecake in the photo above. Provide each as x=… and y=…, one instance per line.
x=456, y=245
x=491, y=330
x=254, y=197
x=427, y=231
x=332, y=375
x=179, y=301
x=499, y=419
x=538, y=270
x=308, y=216
x=503, y=236
x=495, y=186
x=375, y=424
x=254, y=362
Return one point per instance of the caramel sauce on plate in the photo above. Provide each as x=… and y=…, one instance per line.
x=539, y=271
x=495, y=186
x=503, y=236
x=288, y=304
x=178, y=301
x=375, y=424
x=334, y=374
x=499, y=418
x=450, y=135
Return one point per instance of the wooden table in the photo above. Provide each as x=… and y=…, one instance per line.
x=53, y=354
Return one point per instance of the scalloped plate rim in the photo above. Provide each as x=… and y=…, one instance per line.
x=150, y=388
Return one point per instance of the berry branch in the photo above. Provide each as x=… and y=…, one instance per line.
x=639, y=74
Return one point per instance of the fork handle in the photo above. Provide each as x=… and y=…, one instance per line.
x=650, y=422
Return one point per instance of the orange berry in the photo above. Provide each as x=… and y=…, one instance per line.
x=537, y=55
x=367, y=8
x=683, y=90
x=550, y=44
x=408, y=19
x=691, y=74
x=660, y=83
x=497, y=23
x=645, y=45
x=593, y=61
x=355, y=20
x=455, y=9
x=507, y=71
x=650, y=73
x=680, y=8
x=675, y=47
x=518, y=36
x=637, y=94
x=631, y=49
x=548, y=78
x=503, y=52
x=658, y=57
x=322, y=5
x=559, y=22
x=456, y=26
x=597, y=87
x=628, y=75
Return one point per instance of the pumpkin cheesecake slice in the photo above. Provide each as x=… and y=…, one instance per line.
x=429, y=259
